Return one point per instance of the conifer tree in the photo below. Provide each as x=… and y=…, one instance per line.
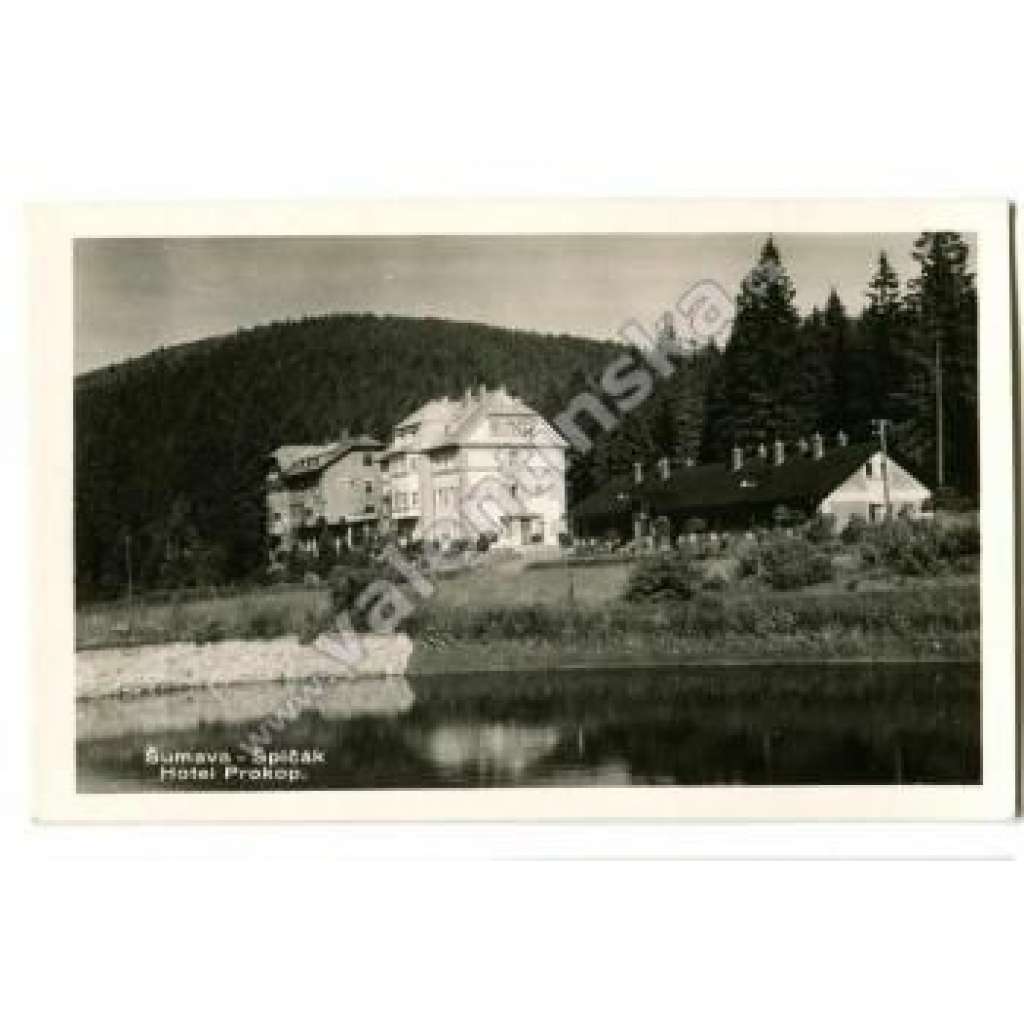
x=753, y=405
x=941, y=429
x=883, y=329
x=838, y=413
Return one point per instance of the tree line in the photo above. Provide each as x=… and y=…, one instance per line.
x=910, y=357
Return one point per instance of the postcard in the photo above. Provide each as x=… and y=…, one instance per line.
x=524, y=511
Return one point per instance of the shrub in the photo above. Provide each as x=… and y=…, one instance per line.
x=267, y=623
x=483, y=543
x=347, y=582
x=209, y=631
x=854, y=530
x=821, y=528
x=950, y=500
x=664, y=577
x=750, y=563
x=793, y=563
x=921, y=547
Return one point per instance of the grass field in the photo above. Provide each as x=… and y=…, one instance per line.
x=259, y=615
x=270, y=613
x=588, y=586
x=572, y=610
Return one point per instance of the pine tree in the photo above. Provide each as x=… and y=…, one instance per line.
x=808, y=388
x=942, y=423
x=755, y=403
x=836, y=338
x=883, y=330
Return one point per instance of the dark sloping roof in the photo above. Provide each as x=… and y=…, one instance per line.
x=799, y=480
x=298, y=460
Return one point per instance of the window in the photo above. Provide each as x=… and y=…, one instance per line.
x=511, y=490
x=367, y=459
x=868, y=470
x=369, y=487
x=876, y=513
x=415, y=499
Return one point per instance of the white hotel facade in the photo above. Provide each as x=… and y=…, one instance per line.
x=485, y=464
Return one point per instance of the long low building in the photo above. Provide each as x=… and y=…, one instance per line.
x=749, y=491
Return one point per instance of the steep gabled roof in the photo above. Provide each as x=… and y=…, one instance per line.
x=801, y=479
x=299, y=459
x=446, y=421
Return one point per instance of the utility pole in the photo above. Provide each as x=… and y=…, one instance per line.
x=128, y=563
x=880, y=426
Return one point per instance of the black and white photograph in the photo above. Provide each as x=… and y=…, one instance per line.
x=626, y=510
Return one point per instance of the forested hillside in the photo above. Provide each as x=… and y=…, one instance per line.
x=170, y=447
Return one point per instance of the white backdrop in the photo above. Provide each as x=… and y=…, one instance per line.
x=128, y=101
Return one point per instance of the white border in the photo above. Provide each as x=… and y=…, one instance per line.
x=52, y=229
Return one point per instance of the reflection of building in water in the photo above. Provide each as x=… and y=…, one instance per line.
x=499, y=749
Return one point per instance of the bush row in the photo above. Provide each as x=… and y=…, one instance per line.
x=904, y=613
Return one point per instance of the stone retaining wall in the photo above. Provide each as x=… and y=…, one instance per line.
x=137, y=670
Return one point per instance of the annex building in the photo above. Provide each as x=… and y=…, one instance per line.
x=749, y=491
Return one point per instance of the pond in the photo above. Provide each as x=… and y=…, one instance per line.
x=690, y=726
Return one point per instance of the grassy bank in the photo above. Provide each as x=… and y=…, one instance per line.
x=482, y=656
x=908, y=622
x=252, y=616
x=304, y=611
x=506, y=616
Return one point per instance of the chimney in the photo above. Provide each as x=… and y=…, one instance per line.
x=638, y=472
x=780, y=453
x=664, y=468
x=803, y=446
x=737, y=459
x=817, y=445
x=762, y=451
x=467, y=397
x=841, y=439
x=483, y=392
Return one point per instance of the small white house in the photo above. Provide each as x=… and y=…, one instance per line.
x=864, y=493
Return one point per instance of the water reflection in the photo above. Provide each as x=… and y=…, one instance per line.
x=504, y=751
x=751, y=725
